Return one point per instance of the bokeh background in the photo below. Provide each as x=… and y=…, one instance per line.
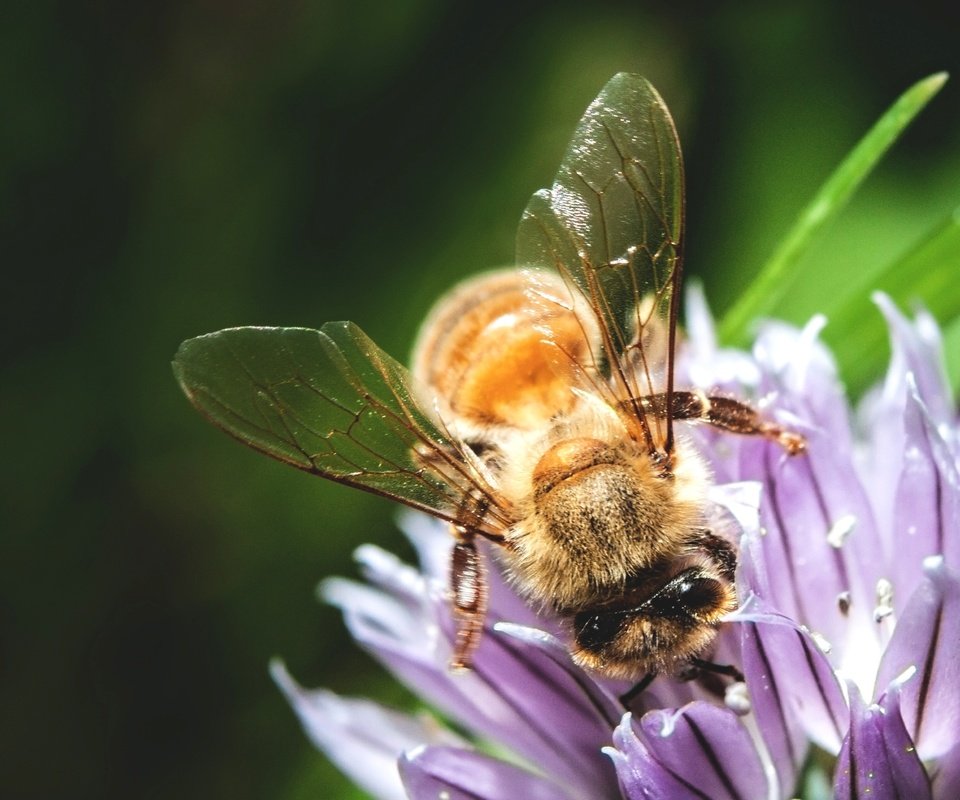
x=168, y=169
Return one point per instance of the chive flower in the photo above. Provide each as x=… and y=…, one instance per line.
x=847, y=632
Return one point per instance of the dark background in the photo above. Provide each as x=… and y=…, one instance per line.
x=168, y=169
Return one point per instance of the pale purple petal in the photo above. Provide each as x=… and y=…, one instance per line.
x=398, y=623
x=699, y=750
x=641, y=776
x=879, y=456
x=362, y=738
x=772, y=706
x=878, y=759
x=432, y=540
x=927, y=509
x=514, y=694
x=917, y=350
x=741, y=501
x=453, y=773
x=701, y=362
x=543, y=707
x=800, y=386
x=927, y=637
x=820, y=557
x=945, y=775
x=791, y=682
x=605, y=703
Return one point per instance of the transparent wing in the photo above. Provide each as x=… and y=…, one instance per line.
x=612, y=226
x=332, y=403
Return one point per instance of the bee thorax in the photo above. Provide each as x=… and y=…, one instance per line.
x=566, y=459
x=598, y=517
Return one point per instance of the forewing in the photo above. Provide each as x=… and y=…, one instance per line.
x=612, y=225
x=332, y=403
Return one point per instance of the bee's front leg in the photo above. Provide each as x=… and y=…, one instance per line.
x=627, y=698
x=468, y=589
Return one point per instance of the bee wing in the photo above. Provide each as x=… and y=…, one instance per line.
x=332, y=403
x=612, y=226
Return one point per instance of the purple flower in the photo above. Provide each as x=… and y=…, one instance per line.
x=848, y=630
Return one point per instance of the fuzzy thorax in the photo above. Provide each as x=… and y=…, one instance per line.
x=596, y=512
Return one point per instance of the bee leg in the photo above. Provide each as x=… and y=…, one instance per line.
x=708, y=675
x=627, y=698
x=468, y=588
x=718, y=669
x=731, y=415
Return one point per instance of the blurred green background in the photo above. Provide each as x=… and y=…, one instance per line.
x=168, y=169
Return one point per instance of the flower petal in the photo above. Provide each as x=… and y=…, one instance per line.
x=700, y=750
x=799, y=373
x=547, y=709
x=918, y=350
x=772, y=708
x=791, y=683
x=945, y=774
x=927, y=637
x=701, y=362
x=927, y=509
x=605, y=704
x=817, y=560
x=641, y=776
x=359, y=736
x=878, y=759
x=453, y=773
x=515, y=693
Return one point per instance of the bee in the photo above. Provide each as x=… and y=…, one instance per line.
x=539, y=413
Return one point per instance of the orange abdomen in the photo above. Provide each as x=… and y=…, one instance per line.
x=499, y=352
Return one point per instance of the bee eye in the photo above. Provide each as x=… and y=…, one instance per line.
x=700, y=593
x=685, y=595
x=594, y=631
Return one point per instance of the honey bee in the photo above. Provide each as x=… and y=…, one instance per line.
x=539, y=412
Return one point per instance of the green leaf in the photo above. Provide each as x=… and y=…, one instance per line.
x=951, y=349
x=927, y=273
x=775, y=278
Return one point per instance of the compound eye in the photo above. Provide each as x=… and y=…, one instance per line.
x=593, y=631
x=689, y=594
x=701, y=593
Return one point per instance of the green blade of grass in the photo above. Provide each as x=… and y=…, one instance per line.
x=928, y=273
x=776, y=276
x=951, y=349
